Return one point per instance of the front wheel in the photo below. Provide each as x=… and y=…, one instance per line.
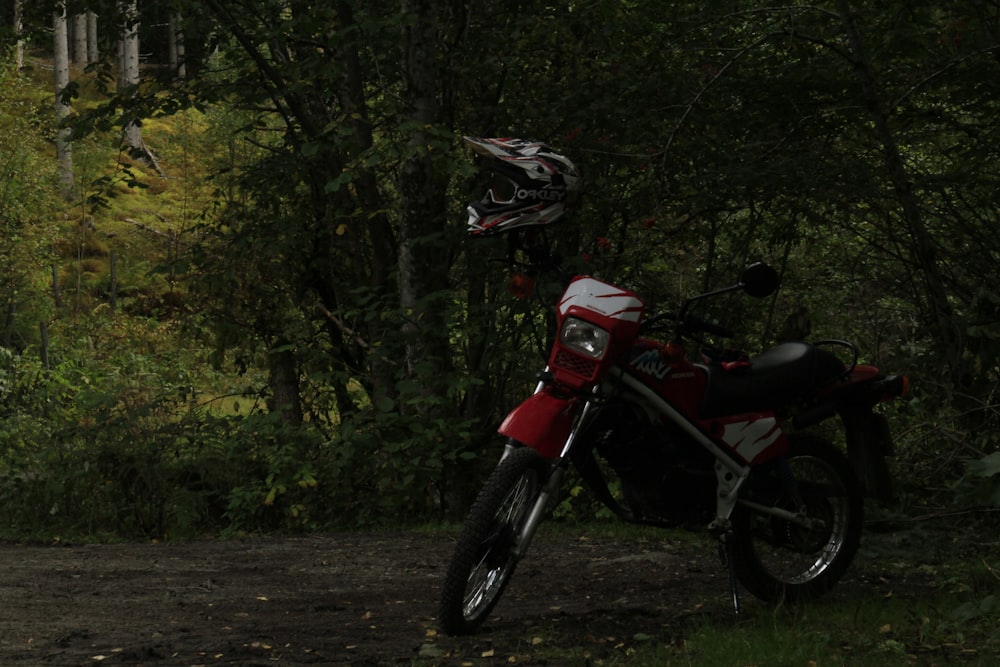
x=778, y=559
x=483, y=561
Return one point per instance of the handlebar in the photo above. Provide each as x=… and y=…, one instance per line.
x=693, y=323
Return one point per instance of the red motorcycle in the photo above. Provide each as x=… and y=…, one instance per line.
x=719, y=440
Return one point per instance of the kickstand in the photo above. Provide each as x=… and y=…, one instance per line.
x=726, y=554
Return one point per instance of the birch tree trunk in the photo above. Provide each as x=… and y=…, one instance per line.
x=93, y=54
x=129, y=83
x=80, y=39
x=175, y=43
x=18, y=27
x=130, y=69
x=64, y=148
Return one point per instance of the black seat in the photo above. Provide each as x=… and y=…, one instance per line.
x=778, y=377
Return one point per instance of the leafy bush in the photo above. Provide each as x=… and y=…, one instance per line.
x=981, y=482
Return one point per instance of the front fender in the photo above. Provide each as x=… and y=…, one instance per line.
x=542, y=422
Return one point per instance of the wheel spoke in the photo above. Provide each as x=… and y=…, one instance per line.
x=484, y=560
x=797, y=554
x=490, y=573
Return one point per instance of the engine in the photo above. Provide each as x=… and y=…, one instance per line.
x=663, y=474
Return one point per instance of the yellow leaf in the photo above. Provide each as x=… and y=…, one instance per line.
x=341, y=229
x=488, y=654
x=885, y=629
x=535, y=641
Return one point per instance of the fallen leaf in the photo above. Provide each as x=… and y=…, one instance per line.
x=431, y=651
x=488, y=654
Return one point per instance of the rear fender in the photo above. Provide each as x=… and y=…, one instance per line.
x=869, y=442
x=869, y=385
x=542, y=422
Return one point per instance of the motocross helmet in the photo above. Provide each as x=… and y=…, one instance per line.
x=531, y=185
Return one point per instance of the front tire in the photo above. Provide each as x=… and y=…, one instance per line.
x=780, y=561
x=483, y=561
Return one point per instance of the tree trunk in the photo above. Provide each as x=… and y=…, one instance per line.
x=93, y=54
x=175, y=43
x=422, y=196
x=80, y=39
x=18, y=27
x=283, y=379
x=64, y=148
x=130, y=70
x=129, y=83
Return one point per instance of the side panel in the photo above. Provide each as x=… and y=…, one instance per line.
x=542, y=422
x=754, y=437
x=681, y=383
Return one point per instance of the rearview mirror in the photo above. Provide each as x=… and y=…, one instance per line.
x=759, y=280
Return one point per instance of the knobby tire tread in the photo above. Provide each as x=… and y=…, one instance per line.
x=477, y=527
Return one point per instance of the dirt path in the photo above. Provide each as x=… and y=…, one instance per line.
x=355, y=599
x=345, y=599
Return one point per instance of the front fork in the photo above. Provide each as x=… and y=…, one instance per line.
x=550, y=490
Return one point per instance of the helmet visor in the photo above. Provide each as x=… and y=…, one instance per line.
x=502, y=189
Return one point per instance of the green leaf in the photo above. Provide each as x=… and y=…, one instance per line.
x=988, y=466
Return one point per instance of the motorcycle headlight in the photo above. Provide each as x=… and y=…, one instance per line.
x=583, y=337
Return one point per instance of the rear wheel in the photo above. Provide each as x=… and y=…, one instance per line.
x=483, y=561
x=780, y=559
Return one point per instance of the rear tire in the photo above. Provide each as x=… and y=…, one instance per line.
x=483, y=562
x=780, y=561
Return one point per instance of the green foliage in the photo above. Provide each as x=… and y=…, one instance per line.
x=26, y=202
x=296, y=152
x=981, y=482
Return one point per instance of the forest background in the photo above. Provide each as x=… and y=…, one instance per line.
x=243, y=298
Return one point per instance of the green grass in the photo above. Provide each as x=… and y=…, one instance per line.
x=901, y=604
x=858, y=631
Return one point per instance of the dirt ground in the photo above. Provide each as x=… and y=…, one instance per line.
x=340, y=599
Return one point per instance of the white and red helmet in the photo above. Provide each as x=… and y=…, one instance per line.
x=531, y=185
